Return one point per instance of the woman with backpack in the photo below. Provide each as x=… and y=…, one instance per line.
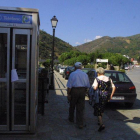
x=101, y=85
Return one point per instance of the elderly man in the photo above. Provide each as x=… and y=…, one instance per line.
x=77, y=85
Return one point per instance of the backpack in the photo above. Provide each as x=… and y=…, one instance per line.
x=103, y=86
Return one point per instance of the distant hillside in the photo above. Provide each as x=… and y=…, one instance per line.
x=45, y=46
x=124, y=45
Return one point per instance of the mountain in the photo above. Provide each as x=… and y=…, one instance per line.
x=45, y=46
x=124, y=45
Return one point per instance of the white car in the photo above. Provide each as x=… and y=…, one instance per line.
x=126, y=67
x=137, y=66
x=61, y=70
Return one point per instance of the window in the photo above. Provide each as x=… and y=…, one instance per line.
x=123, y=77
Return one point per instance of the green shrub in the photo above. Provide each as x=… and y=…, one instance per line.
x=122, y=70
x=89, y=66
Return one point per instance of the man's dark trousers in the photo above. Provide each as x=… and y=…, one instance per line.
x=78, y=101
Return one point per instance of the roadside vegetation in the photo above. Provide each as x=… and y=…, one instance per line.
x=89, y=59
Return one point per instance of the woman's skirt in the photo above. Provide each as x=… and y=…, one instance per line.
x=99, y=107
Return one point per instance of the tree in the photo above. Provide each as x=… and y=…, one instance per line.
x=84, y=59
x=70, y=62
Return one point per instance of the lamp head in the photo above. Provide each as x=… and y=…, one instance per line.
x=54, y=22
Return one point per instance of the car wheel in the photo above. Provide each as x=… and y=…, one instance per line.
x=67, y=77
x=129, y=105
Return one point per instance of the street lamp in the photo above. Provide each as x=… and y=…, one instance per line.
x=54, y=23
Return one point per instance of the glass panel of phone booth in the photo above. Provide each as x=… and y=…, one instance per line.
x=4, y=78
x=20, y=88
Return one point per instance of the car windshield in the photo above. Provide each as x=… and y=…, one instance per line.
x=85, y=70
x=71, y=68
x=118, y=77
x=126, y=65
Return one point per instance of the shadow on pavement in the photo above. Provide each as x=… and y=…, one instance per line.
x=55, y=125
x=134, y=120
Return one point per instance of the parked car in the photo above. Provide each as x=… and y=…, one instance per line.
x=61, y=70
x=86, y=70
x=137, y=66
x=125, y=89
x=126, y=67
x=68, y=70
x=57, y=67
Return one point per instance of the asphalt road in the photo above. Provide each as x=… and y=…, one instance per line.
x=134, y=75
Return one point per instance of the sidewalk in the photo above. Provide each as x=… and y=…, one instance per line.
x=54, y=125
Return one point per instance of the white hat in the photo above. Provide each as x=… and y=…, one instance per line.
x=78, y=64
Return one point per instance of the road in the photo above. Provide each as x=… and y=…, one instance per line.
x=134, y=75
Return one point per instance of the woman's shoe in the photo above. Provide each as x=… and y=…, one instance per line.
x=102, y=127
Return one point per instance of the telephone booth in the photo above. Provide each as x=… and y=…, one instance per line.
x=19, y=34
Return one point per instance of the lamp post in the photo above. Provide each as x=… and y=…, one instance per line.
x=54, y=24
x=50, y=61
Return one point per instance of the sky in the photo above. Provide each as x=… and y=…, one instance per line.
x=81, y=21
